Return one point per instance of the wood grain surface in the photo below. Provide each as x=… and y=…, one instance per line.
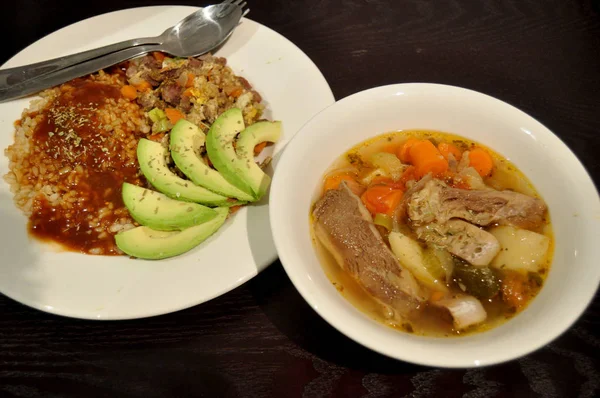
x=262, y=339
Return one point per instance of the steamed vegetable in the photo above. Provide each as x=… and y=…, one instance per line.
x=441, y=262
x=520, y=249
x=410, y=255
x=404, y=150
x=478, y=281
x=427, y=159
x=383, y=220
x=481, y=161
x=447, y=148
x=389, y=163
x=382, y=199
x=465, y=310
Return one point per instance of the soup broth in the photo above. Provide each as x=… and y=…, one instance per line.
x=512, y=287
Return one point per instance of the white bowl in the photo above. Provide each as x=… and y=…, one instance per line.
x=559, y=177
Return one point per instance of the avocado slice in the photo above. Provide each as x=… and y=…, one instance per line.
x=185, y=142
x=237, y=165
x=149, y=244
x=159, y=212
x=253, y=135
x=151, y=157
x=219, y=146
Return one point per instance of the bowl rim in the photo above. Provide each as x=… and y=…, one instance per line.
x=288, y=262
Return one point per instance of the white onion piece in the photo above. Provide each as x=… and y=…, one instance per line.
x=465, y=310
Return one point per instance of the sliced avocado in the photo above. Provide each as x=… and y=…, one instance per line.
x=253, y=135
x=219, y=146
x=159, y=212
x=237, y=165
x=146, y=243
x=151, y=157
x=185, y=142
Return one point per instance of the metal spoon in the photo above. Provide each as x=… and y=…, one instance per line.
x=195, y=35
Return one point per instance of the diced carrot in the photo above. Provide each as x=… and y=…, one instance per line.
x=427, y=159
x=381, y=199
x=143, y=86
x=259, y=148
x=390, y=148
x=190, y=79
x=156, y=137
x=436, y=296
x=392, y=201
x=17, y=123
x=174, y=115
x=409, y=174
x=334, y=181
x=447, y=148
x=189, y=92
x=158, y=56
x=237, y=92
x=404, y=150
x=481, y=161
x=129, y=92
x=515, y=288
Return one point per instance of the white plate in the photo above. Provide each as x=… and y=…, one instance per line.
x=98, y=287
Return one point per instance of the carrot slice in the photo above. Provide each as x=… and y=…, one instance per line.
x=190, y=79
x=446, y=149
x=514, y=288
x=259, y=148
x=174, y=115
x=129, y=92
x=409, y=174
x=143, y=86
x=404, y=150
x=156, y=137
x=381, y=199
x=481, y=161
x=334, y=181
x=158, y=56
x=427, y=159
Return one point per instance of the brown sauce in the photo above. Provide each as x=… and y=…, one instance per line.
x=90, y=165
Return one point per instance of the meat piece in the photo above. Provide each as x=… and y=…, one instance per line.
x=171, y=92
x=257, y=96
x=437, y=202
x=245, y=83
x=149, y=100
x=150, y=62
x=185, y=104
x=462, y=239
x=195, y=62
x=344, y=226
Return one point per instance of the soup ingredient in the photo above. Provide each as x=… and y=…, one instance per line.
x=389, y=163
x=521, y=250
x=427, y=159
x=441, y=262
x=411, y=256
x=436, y=201
x=146, y=243
x=382, y=199
x=160, y=212
x=481, y=161
x=465, y=310
x=446, y=149
x=384, y=220
x=462, y=239
x=151, y=157
x=404, y=151
x=186, y=143
x=344, y=227
x=478, y=281
x=518, y=288
x=237, y=164
x=334, y=181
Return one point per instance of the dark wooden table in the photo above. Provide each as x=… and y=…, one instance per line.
x=262, y=339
